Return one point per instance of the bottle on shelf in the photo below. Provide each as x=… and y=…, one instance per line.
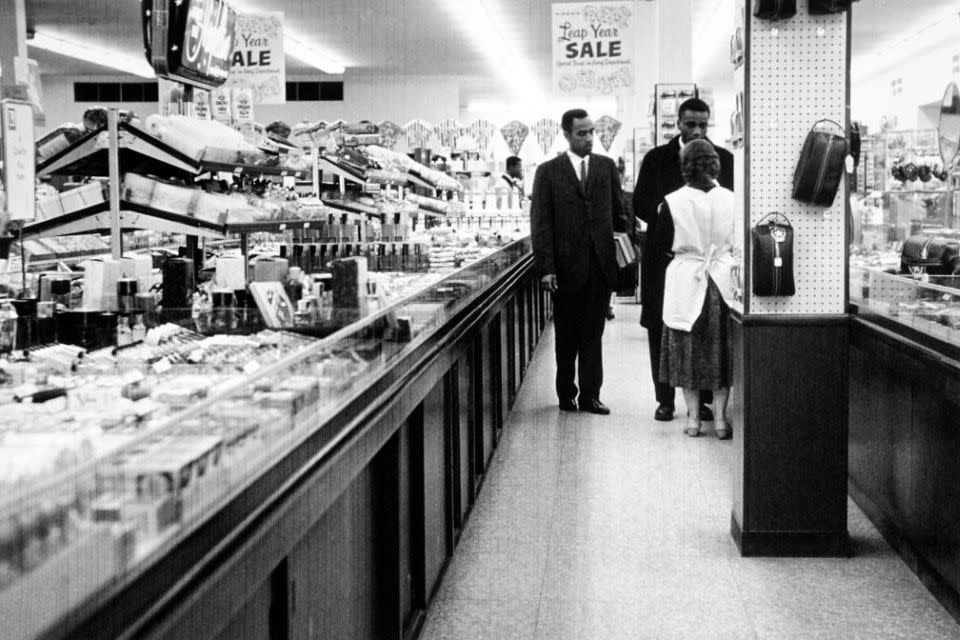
x=139, y=330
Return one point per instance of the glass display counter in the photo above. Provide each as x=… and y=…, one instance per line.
x=111, y=458
x=929, y=305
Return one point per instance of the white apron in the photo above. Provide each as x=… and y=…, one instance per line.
x=702, y=245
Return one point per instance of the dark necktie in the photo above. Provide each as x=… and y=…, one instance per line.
x=583, y=174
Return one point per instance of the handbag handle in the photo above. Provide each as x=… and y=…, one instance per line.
x=833, y=122
x=773, y=215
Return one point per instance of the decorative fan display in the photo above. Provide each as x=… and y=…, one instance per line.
x=546, y=131
x=447, y=132
x=390, y=133
x=515, y=133
x=482, y=131
x=418, y=132
x=607, y=128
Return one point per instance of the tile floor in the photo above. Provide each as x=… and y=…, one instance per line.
x=618, y=527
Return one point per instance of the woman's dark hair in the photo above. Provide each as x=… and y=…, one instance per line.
x=699, y=162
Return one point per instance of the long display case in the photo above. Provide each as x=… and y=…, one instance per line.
x=117, y=510
x=904, y=380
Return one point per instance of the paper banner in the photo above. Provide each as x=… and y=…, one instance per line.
x=257, y=62
x=594, y=46
x=515, y=133
x=447, y=131
x=607, y=128
x=546, y=131
x=390, y=133
x=418, y=132
x=482, y=131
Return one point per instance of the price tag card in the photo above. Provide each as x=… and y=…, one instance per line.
x=251, y=367
x=162, y=366
x=19, y=159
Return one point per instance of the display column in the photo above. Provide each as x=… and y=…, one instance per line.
x=13, y=40
x=790, y=395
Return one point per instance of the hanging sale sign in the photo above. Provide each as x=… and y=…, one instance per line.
x=257, y=62
x=19, y=159
x=593, y=48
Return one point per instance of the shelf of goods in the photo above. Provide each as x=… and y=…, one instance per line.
x=180, y=207
x=137, y=481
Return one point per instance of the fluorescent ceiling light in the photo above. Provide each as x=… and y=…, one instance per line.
x=81, y=50
x=485, y=25
x=300, y=47
x=294, y=46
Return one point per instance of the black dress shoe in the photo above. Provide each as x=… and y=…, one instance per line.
x=664, y=413
x=568, y=405
x=597, y=407
x=706, y=415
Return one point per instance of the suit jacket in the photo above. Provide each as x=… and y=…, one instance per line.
x=568, y=223
x=659, y=175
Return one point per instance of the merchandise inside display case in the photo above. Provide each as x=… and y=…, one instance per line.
x=199, y=404
x=905, y=248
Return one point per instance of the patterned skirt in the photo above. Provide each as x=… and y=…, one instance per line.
x=699, y=359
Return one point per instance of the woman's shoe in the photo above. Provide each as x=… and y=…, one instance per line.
x=693, y=427
x=723, y=430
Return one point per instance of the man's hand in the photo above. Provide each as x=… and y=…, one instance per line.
x=549, y=282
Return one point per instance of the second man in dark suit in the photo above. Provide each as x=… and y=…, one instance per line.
x=660, y=175
x=577, y=205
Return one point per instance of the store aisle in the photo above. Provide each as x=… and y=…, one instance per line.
x=618, y=527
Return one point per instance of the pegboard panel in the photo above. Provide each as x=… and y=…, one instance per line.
x=797, y=74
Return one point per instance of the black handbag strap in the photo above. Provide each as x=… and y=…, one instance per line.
x=773, y=216
x=842, y=134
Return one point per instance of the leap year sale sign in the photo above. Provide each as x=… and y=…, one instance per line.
x=257, y=62
x=593, y=48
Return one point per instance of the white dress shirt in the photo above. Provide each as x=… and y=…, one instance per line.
x=576, y=160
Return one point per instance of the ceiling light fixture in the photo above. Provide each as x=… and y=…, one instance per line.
x=485, y=25
x=137, y=65
x=308, y=54
x=299, y=47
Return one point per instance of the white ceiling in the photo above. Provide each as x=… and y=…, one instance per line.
x=415, y=37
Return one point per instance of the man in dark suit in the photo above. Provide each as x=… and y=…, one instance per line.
x=576, y=207
x=660, y=175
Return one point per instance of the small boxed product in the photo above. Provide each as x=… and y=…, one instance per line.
x=360, y=139
x=307, y=387
x=173, y=198
x=100, y=284
x=138, y=189
x=362, y=127
x=49, y=207
x=138, y=266
x=92, y=193
x=72, y=200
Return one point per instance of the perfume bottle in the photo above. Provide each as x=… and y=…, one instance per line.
x=124, y=333
x=139, y=331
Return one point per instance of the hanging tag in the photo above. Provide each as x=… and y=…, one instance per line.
x=778, y=262
x=779, y=234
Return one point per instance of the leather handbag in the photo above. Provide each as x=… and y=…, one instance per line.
x=775, y=9
x=819, y=171
x=821, y=7
x=772, y=256
x=934, y=255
